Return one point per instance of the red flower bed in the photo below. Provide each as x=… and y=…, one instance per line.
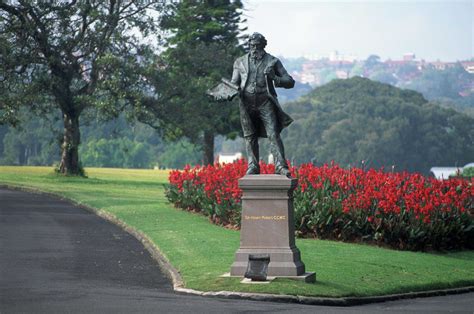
x=400, y=210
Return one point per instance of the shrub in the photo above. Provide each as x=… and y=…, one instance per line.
x=468, y=172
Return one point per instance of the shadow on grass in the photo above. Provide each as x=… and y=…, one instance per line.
x=459, y=255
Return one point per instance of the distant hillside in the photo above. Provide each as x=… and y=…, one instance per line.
x=300, y=89
x=355, y=120
x=451, y=84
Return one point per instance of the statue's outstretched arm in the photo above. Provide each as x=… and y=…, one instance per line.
x=282, y=78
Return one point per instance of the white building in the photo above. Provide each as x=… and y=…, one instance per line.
x=228, y=158
x=442, y=173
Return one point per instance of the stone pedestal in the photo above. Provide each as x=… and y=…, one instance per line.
x=267, y=227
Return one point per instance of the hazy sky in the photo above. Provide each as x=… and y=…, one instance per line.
x=431, y=29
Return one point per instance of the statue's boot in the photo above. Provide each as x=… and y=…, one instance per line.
x=278, y=151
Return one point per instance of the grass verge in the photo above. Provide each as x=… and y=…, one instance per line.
x=202, y=251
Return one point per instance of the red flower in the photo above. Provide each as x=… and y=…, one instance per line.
x=345, y=195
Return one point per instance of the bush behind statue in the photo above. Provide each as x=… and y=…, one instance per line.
x=399, y=210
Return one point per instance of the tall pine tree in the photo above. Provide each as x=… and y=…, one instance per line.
x=203, y=40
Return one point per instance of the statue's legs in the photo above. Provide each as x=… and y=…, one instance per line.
x=269, y=119
x=251, y=144
x=248, y=113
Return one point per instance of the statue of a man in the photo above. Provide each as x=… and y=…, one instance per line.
x=257, y=73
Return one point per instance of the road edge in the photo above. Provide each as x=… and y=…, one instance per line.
x=179, y=285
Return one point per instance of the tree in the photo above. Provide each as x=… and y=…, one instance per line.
x=34, y=142
x=201, y=48
x=447, y=83
x=383, y=76
x=119, y=152
x=73, y=56
x=355, y=120
x=372, y=61
x=178, y=154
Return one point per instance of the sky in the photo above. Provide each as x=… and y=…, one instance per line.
x=433, y=30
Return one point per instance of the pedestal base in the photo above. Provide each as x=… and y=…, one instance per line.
x=267, y=227
x=283, y=261
x=306, y=277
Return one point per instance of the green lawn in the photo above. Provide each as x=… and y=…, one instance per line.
x=202, y=251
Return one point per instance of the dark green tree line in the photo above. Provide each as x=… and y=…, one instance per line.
x=119, y=143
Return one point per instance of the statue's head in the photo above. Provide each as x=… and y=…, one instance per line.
x=257, y=43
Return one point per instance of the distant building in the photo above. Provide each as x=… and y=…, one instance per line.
x=271, y=159
x=442, y=173
x=395, y=63
x=342, y=74
x=308, y=78
x=228, y=158
x=409, y=57
x=468, y=66
x=421, y=65
x=341, y=63
x=312, y=56
x=336, y=56
x=439, y=65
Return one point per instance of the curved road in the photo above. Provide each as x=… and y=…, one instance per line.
x=58, y=258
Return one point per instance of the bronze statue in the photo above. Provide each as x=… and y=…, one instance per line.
x=255, y=76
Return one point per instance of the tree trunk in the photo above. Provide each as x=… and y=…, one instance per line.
x=208, y=148
x=70, y=147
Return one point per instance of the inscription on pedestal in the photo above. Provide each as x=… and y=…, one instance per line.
x=246, y=217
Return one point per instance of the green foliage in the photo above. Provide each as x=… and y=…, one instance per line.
x=372, y=62
x=34, y=142
x=300, y=89
x=468, y=172
x=327, y=75
x=81, y=172
x=464, y=105
x=126, y=144
x=23, y=147
x=203, y=21
x=383, y=77
x=178, y=154
x=451, y=87
x=117, y=153
x=357, y=69
x=446, y=83
x=202, y=46
x=68, y=57
x=3, y=132
x=113, y=143
x=355, y=120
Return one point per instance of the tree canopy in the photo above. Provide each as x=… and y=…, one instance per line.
x=202, y=43
x=73, y=56
x=355, y=120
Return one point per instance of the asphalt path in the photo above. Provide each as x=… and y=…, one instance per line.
x=58, y=258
